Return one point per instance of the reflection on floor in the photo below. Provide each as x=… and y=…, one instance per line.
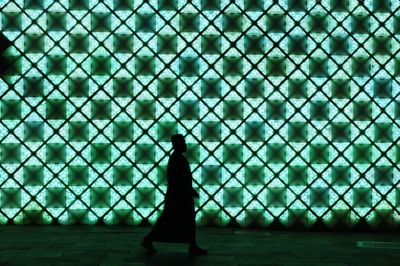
x=116, y=245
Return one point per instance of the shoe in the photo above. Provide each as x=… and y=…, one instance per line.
x=197, y=251
x=147, y=245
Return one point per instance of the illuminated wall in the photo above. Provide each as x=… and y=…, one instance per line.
x=290, y=109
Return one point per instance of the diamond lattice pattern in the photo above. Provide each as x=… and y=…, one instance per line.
x=290, y=110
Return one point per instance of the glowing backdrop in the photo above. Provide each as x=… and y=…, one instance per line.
x=290, y=109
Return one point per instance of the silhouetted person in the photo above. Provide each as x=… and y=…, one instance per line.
x=177, y=222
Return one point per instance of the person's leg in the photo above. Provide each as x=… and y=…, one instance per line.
x=193, y=244
x=194, y=249
x=147, y=242
x=148, y=238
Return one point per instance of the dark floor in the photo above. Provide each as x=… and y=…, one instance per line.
x=115, y=245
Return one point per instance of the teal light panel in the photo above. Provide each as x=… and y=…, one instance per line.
x=290, y=109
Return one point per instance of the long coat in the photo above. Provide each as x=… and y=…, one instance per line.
x=177, y=221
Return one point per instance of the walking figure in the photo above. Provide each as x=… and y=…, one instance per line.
x=177, y=222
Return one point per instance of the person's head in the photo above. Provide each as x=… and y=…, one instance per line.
x=178, y=142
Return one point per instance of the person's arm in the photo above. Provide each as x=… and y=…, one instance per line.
x=194, y=193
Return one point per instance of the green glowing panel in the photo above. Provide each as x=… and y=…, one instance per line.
x=291, y=110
